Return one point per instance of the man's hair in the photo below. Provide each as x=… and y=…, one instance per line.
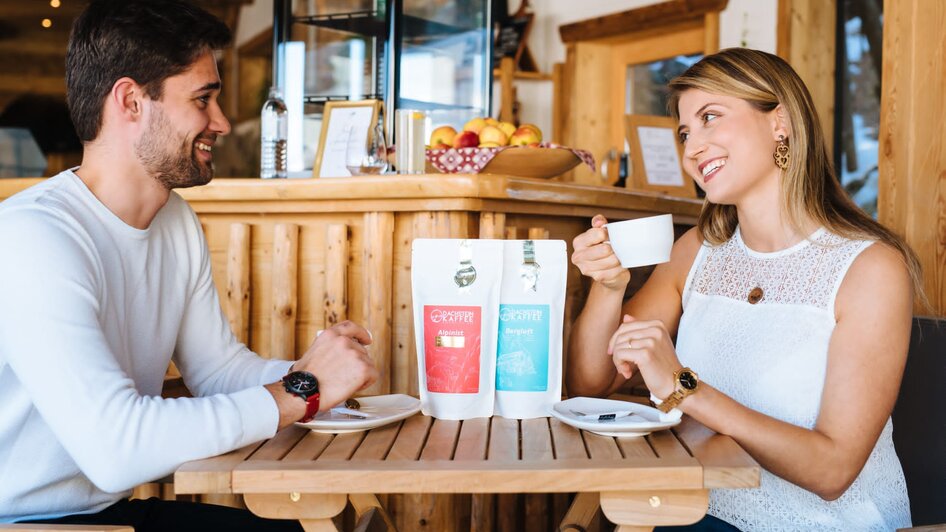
x=145, y=40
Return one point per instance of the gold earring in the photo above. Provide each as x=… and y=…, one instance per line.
x=781, y=153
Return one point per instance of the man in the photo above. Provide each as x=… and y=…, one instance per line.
x=106, y=275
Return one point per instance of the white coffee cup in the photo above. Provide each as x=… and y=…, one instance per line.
x=642, y=241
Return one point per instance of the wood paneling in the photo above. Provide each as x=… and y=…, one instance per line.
x=912, y=157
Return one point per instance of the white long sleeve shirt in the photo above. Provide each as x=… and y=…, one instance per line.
x=91, y=312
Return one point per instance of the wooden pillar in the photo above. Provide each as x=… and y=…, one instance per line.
x=805, y=38
x=378, y=258
x=237, y=302
x=711, y=32
x=335, y=301
x=912, y=156
x=285, y=296
x=507, y=100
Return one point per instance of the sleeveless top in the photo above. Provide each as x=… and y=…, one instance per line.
x=772, y=358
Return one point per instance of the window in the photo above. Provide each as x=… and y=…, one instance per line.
x=857, y=118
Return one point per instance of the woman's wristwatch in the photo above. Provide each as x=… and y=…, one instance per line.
x=685, y=382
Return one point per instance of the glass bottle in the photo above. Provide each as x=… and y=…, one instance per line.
x=274, y=128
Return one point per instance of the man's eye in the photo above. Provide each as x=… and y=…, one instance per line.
x=204, y=99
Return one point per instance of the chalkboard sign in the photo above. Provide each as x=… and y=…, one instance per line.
x=511, y=37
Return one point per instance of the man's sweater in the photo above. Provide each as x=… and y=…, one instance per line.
x=91, y=312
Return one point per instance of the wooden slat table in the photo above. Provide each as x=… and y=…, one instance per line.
x=661, y=479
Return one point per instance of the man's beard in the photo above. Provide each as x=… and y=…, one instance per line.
x=179, y=169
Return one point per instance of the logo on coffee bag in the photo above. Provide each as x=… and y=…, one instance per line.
x=522, y=363
x=452, y=348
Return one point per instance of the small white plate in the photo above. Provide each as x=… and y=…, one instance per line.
x=382, y=409
x=643, y=421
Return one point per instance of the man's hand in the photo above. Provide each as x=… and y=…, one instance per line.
x=339, y=360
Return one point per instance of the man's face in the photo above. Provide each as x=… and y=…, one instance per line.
x=176, y=147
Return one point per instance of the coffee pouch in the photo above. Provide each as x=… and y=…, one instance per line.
x=455, y=287
x=531, y=309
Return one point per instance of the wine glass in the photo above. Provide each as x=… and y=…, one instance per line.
x=366, y=158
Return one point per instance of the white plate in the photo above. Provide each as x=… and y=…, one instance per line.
x=643, y=421
x=383, y=409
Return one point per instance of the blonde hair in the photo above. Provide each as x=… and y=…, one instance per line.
x=809, y=186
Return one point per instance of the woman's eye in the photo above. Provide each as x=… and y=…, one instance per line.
x=709, y=116
x=683, y=137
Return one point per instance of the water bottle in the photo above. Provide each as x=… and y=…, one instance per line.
x=274, y=127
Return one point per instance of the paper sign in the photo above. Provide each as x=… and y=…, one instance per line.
x=342, y=121
x=661, y=159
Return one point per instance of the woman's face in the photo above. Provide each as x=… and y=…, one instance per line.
x=728, y=146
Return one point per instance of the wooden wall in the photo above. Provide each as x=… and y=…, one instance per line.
x=912, y=158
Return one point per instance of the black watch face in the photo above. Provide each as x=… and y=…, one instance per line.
x=688, y=380
x=301, y=382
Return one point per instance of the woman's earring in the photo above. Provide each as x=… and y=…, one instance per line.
x=781, y=153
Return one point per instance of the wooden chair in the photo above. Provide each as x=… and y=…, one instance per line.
x=919, y=422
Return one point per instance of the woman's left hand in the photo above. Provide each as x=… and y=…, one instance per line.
x=647, y=346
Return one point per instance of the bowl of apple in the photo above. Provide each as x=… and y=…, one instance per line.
x=488, y=146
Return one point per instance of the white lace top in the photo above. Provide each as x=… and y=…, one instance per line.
x=772, y=357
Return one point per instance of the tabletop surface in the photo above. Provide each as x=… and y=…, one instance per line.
x=484, y=455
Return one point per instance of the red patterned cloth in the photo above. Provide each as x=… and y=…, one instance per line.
x=473, y=160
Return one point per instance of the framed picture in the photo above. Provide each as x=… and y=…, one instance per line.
x=343, y=123
x=656, y=156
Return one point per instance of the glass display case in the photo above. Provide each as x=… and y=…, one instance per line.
x=431, y=55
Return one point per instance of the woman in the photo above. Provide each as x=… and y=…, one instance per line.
x=791, y=308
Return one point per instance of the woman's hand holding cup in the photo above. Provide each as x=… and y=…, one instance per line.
x=595, y=258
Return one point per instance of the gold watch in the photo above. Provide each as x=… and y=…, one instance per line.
x=685, y=382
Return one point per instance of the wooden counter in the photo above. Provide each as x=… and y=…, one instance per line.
x=291, y=257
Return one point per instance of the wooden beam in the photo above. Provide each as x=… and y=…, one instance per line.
x=35, y=85
x=642, y=18
x=811, y=52
x=783, y=28
x=912, y=157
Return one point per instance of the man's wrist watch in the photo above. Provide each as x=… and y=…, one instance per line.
x=306, y=386
x=685, y=382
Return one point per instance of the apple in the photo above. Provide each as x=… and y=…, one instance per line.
x=524, y=136
x=443, y=135
x=475, y=125
x=493, y=135
x=535, y=128
x=489, y=145
x=440, y=146
x=490, y=121
x=466, y=139
x=508, y=128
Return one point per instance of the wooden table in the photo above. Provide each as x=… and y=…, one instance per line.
x=661, y=479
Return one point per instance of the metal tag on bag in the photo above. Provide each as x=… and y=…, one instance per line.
x=466, y=273
x=530, y=269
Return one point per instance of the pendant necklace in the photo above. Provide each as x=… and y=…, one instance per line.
x=756, y=293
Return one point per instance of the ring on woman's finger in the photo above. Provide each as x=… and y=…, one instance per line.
x=629, y=346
